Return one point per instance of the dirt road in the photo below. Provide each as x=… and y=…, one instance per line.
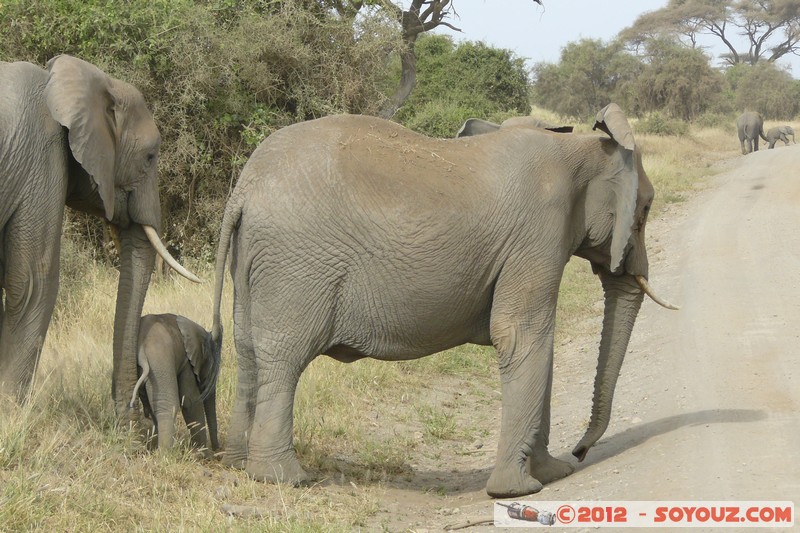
x=708, y=404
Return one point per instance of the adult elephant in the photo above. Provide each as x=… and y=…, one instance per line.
x=71, y=135
x=750, y=126
x=779, y=133
x=383, y=243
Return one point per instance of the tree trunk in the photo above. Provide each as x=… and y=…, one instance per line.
x=408, y=79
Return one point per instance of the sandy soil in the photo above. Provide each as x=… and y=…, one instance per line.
x=708, y=403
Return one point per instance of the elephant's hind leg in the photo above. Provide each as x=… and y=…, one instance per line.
x=283, y=350
x=244, y=405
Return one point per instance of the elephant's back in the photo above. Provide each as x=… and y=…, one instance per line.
x=27, y=131
x=21, y=91
x=159, y=336
x=364, y=165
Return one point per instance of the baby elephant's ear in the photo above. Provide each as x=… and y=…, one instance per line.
x=612, y=121
x=193, y=342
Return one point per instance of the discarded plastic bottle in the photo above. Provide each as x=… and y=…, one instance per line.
x=518, y=511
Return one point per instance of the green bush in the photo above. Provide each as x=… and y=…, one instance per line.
x=715, y=120
x=677, y=81
x=218, y=75
x=767, y=89
x=439, y=119
x=459, y=81
x=659, y=124
x=589, y=75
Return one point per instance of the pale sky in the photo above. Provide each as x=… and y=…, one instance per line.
x=540, y=32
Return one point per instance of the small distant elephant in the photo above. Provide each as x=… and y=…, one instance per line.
x=476, y=126
x=780, y=133
x=750, y=126
x=179, y=366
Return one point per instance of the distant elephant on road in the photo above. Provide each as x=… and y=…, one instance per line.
x=750, y=126
x=354, y=237
x=71, y=135
x=476, y=126
x=179, y=366
x=780, y=133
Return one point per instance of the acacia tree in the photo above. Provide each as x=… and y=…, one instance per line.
x=590, y=74
x=770, y=28
x=421, y=16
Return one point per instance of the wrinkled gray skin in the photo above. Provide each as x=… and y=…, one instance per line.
x=382, y=243
x=476, y=126
x=780, y=133
x=179, y=367
x=71, y=135
x=750, y=126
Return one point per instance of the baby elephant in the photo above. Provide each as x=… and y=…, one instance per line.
x=781, y=133
x=179, y=366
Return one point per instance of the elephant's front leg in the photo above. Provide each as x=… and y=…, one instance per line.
x=541, y=464
x=522, y=326
x=30, y=284
x=193, y=411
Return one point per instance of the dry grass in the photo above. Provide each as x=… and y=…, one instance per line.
x=65, y=465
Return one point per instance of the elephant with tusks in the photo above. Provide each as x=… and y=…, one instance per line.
x=353, y=237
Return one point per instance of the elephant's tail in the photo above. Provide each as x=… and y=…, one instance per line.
x=233, y=212
x=761, y=133
x=214, y=348
x=142, y=379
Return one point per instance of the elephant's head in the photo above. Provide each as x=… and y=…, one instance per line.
x=476, y=126
x=616, y=204
x=114, y=143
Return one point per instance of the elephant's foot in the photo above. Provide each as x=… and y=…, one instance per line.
x=547, y=468
x=287, y=470
x=236, y=463
x=511, y=481
x=233, y=458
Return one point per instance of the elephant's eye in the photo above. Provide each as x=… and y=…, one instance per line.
x=150, y=158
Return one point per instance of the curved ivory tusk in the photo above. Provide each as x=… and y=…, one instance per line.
x=152, y=236
x=648, y=291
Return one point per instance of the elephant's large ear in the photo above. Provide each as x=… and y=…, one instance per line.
x=625, y=181
x=202, y=355
x=193, y=344
x=476, y=126
x=612, y=121
x=79, y=97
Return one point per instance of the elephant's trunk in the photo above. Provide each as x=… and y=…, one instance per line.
x=137, y=259
x=623, y=297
